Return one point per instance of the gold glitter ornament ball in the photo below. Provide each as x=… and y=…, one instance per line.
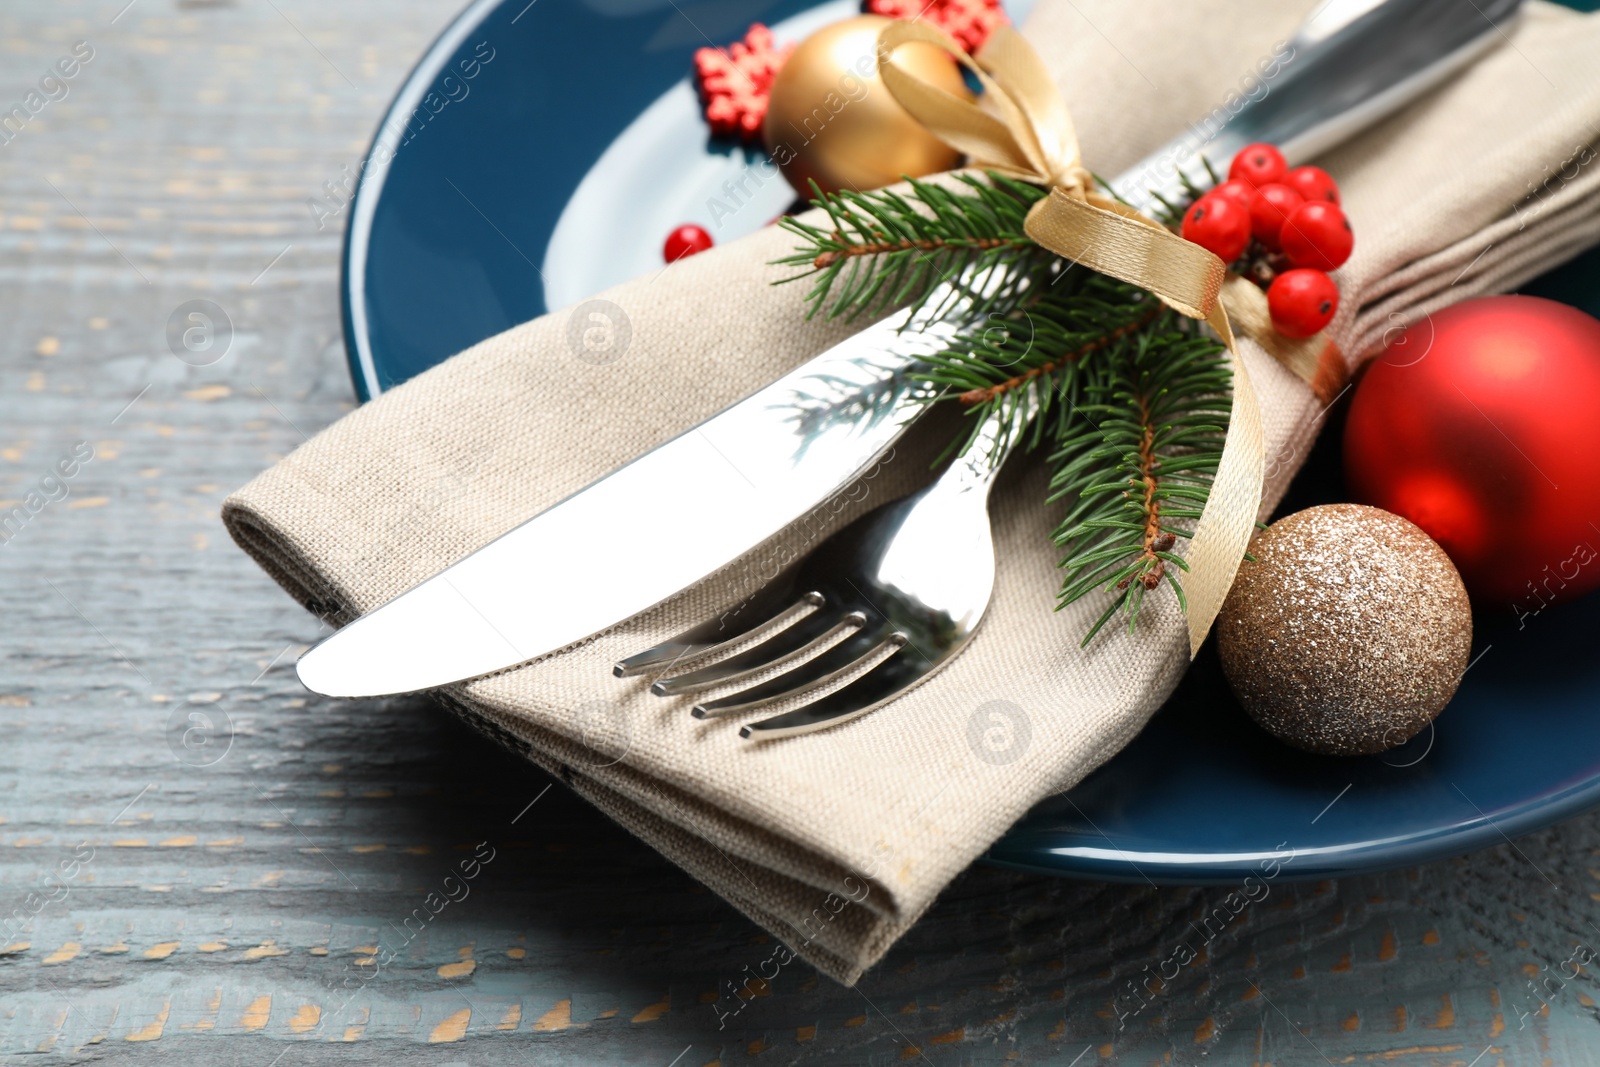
x=1348, y=633
x=831, y=119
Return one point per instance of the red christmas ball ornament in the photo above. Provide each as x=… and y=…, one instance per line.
x=1218, y=224
x=1317, y=235
x=1258, y=165
x=1481, y=424
x=1272, y=204
x=686, y=240
x=1302, y=301
x=1313, y=183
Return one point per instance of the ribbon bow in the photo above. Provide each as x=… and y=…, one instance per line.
x=1028, y=134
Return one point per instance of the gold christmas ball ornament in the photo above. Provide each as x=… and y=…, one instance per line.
x=1349, y=631
x=830, y=118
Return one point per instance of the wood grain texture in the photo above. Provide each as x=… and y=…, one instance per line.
x=247, y=898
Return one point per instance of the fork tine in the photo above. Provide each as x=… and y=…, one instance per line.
x=708, y=638
x=884, y=682
x=817, y=629
x=837, y=662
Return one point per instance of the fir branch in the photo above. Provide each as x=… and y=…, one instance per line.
x=882, y=249
x=825, y=260
x=1036, y=348
x=1136, y=471
x=985, y=394
x=1132, y=398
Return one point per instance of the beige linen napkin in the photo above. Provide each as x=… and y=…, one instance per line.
x=837, y=842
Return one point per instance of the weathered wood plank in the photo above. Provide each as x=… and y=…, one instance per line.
x=248, y=897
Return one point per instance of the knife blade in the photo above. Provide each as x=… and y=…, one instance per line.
x=707, y=496
x=721, y=488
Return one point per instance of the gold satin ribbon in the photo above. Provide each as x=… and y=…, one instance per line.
x=1026, y=132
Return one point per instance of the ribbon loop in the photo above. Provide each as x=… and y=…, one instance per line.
x=1012, y=62
x=1029, y=135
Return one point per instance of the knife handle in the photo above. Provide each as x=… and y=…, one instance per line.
x=1352, y=63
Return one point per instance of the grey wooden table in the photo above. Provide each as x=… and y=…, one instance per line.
x=158, y=897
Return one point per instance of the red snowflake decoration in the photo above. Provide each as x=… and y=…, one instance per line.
x=969, y=21
x=735, y=82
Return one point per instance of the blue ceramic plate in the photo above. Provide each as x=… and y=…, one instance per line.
x=542, y=151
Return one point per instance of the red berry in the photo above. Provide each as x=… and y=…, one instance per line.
x=1219, y=225
x=686, y=240
x=1236, y=190
x=1271, y=205
x=1302, y=301
x=1313, y=183
x=1258, y=165
x=1317, y=235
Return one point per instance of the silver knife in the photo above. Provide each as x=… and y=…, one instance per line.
x=720, y=489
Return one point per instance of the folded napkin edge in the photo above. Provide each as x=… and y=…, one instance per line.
x=283, y=561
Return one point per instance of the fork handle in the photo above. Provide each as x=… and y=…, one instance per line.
x=976, y=469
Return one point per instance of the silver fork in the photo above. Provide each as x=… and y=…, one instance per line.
x=896, y=595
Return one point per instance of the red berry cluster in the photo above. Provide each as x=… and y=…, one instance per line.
x=736, y=82
x=969, y=21
x=1287, y=227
